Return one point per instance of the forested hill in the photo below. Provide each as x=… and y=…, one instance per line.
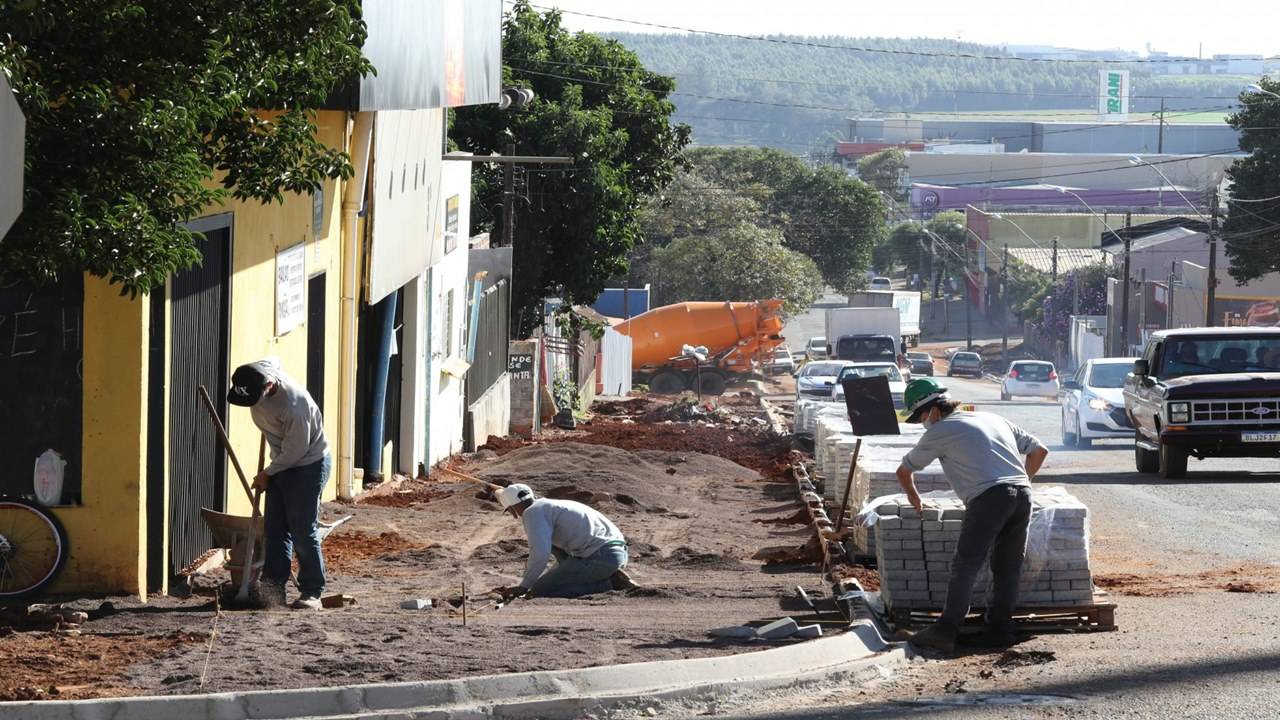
x=801, y=94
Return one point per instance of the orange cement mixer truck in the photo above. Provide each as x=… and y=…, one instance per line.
x=737, y=337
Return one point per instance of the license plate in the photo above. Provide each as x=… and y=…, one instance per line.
x=1034, y=386
x=1260, y=437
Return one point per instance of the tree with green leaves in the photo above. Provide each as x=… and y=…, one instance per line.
x=141, y=115
x=884, y=171
x=1253, y=223
x=741, y=262
x=933, y=249
x=596, y=103
x=822, y=213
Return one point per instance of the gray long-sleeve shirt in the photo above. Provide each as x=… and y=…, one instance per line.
x=977, y=450
x=577, y=529
x=291, y=421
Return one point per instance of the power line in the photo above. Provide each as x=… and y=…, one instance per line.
x=885, y=51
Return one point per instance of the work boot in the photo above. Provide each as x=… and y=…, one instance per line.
x=306, y=602
x=620, y=580
x=936, y=637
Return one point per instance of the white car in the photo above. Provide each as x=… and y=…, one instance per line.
x=897, y=384
x=816, y=349
x=881, y=283
x=815, y=380
x=1036, y=378
x=781, y=362
x=1093, y=402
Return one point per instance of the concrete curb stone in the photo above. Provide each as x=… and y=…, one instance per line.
x=545, y=694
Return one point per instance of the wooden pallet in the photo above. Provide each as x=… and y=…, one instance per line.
x=1098, y=616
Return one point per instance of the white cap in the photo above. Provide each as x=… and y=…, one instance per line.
x=514, y=494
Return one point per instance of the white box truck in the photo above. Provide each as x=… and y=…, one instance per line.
x=906, y=302
x=865, y=334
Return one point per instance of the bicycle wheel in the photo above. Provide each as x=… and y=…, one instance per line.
x=33, y=547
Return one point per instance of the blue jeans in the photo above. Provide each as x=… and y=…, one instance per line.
x=573, y=577
x=293, y=507
x=995, y=527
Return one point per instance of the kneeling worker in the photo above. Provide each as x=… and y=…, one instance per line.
x=590, y=551
x=982, y=456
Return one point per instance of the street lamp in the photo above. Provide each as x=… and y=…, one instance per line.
x=1135, y=160
x=1259, y=90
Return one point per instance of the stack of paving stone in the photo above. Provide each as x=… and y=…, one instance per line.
x=808, y=411
x=913, y=553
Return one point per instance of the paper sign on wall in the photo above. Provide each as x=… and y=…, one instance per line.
x=291, y=288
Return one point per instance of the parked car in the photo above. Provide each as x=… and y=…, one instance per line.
x=1093, y=402
x=1036, y=378
x=897, y=384
x=965, y=363
x=781, y=362
x=1204, y=392
x=880, y=283
x=921, y=363
x=815, y=380
x=816, y=349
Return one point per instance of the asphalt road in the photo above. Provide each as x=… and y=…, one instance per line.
x=1194, y=651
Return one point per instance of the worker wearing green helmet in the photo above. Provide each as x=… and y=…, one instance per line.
x=989, y=462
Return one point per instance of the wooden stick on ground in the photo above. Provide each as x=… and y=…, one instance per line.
x=848, y=487
x=469, y=478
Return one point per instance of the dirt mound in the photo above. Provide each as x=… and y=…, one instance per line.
x=767, y=454
x=501, y=550
x=502, y=445
x=685, y=557
x=47, y=666
x=1243, y=579
x=868, y=578
x=708, y=412
x=348, y=551
x=411, y=493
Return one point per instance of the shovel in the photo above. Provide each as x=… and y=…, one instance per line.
x=243, y=594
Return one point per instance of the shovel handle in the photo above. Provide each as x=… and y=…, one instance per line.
x=226, y=442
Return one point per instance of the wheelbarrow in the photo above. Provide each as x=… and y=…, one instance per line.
x=236, y=532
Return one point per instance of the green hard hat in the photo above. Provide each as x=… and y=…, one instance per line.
x=920, y=393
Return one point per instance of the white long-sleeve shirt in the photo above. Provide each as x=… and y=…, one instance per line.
x=577, y=529
x=290, y=420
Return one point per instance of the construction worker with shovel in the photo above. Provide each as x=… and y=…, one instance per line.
x=982, y=456
x=300, y=465
x=590, y=551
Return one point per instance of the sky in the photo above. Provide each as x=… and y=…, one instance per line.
x=1175, y=26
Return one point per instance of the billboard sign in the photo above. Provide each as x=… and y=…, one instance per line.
x=1113, y=95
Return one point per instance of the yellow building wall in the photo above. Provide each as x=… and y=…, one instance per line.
x=106, y=536
x=258, y=232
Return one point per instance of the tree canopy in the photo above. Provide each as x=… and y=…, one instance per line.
x=705, y=241
x=574, y=226
x=821, y=212
x=884, y=171
x=140, y=115
x=1253, y=223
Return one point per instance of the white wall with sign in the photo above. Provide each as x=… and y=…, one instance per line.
x=1113, y=95
x=291, y=288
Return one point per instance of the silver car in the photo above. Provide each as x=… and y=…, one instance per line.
x=1036, y=378
x=816, y=379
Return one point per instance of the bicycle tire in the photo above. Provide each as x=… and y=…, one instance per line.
x=8, y=550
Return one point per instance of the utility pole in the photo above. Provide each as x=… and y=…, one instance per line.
x=509, y=200
x=1142, y=305
x=1160, y=135
x=1075, y=293
x=1168, y=300
x=1125, y=289
x=1211, y=292
x=946, y=294
x=1004, y=310
x=1053, y=273
x=968, y=304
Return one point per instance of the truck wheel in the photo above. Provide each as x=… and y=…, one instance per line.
x=667, y=383
x=1146, y=460
x=1173, y=461
x=711, y=383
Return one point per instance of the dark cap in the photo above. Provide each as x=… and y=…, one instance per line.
x=247, y=384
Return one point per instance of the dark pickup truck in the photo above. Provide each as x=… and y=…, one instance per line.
x=1204, y=392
